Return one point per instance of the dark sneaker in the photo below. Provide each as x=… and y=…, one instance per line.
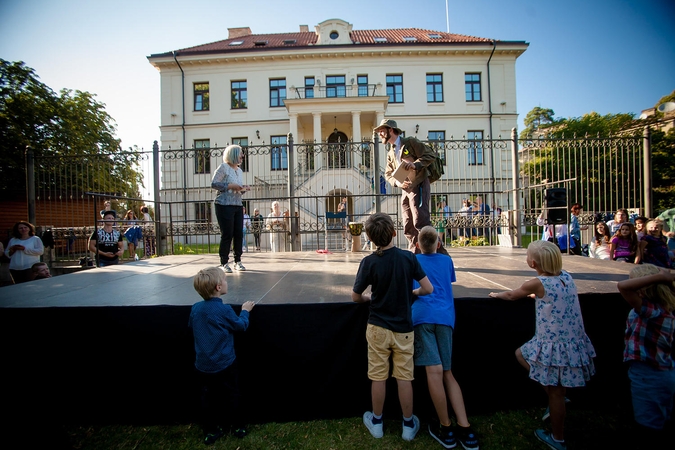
x=446, y=439
x=211, y=438
x=467, y=438
x=240, y=433
x=376, y=429
x=546, y=438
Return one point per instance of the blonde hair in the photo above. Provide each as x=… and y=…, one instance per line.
x=231, y=154
x=428, y=239
x=206, y=280
x=659, y=293
x=547, y=256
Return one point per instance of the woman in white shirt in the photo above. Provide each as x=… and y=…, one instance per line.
x=599, y=247
x=24, y=250
x=275, y=223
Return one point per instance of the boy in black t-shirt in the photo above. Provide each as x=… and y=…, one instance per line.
x=106, y=242
x=390, y=272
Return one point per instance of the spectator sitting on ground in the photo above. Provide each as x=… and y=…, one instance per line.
x=654, y=247
x=599, y=247
x=620, y=216
x=640, y=226
x=624, y=244
x=40, y=271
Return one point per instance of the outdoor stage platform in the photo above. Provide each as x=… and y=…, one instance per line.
x=112, y=345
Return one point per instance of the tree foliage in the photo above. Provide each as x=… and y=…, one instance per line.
x=535, y=119
x=663, y=169
x=70, y=133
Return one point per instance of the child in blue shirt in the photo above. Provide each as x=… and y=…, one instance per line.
x=213, y=323
x=389, y=272
x=434, y=320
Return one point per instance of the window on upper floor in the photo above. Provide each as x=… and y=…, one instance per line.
x=202, y=155
x=201, y=93
x=279, y=153
x=395, y=88
x=239, y=95
x=277, y=92
x=434, y=88
x=243, y=143
x=475, y=138
x=439, y=137
x=362, y=81
x=335, y=86
x=472, y=87
x=309, y=87
x=203, y=212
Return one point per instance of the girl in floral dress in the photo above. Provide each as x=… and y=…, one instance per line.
x=559, y=356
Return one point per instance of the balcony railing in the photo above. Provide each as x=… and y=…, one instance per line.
x=336, y=91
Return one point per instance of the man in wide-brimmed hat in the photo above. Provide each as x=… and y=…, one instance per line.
x=413, y=155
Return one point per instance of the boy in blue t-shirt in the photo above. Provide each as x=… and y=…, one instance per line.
x=390, y=273
x=434, y=320
x=213, y=323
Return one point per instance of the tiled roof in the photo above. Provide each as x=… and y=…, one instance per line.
x=304, y=39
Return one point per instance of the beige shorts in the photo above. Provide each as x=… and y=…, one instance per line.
x=382, y=344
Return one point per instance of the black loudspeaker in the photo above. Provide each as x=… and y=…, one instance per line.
x=556, y=198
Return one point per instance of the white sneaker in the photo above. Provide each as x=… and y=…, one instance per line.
x=376, y=429
x=239, y=266
x=226, y=268
x=409, y=433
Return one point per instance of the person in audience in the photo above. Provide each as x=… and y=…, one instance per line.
x=575, y=229
x=257, y=223
x=624, y=244
x=667, y=217
x=246, y=228
x=148, y=239
x=620, y=216
x=40, y=270
x=640, y=224
x=24, y=250
x=107, y=242
x=213, y=325
x=650, y=292
x=466, y=212
x=599, y=247
x=133, y=233
x=654, y=247
x=275, y=223
x=560, y=355
x=390, y=272
x=433, y=317
x=553, y=233
x=482, y=211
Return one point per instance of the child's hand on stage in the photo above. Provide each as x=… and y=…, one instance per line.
x=248, y=306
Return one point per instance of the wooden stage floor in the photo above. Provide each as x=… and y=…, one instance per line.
x=283, y=278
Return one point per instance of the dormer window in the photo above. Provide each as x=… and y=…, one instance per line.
x=434, y=36
x=409, y=38
x=236, y=42
x=289, y=41
x=334, y=35
x=260, y=43
x=380, y=39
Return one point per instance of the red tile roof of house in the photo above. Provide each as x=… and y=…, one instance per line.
x=305, y=39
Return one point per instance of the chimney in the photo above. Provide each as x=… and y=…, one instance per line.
x=238, y=32
x=304, y=28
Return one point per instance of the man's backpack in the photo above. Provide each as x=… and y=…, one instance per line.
x=436, y=169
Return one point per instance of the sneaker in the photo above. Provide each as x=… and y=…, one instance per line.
x=226, y=268
x=240, y=433
x=447, y=439
x=239, y=266
x=211, y=438
x=546, y=438
x=467, y=438
x=409, y=433
x=374, y=428
x=547, y=413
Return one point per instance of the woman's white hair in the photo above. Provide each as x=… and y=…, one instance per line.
x=231, y=154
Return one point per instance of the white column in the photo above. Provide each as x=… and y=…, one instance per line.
x=293, y=126
x=356, y=126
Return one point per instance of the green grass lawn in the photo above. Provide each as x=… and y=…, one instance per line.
x=586, y=429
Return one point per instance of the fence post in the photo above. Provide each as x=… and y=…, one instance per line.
x=30, y=183
x=515, y=230
x=291, y=194
x=647, y=158
x=158, y=213
x=376, y=173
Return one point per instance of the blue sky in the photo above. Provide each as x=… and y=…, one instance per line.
x=608, y=56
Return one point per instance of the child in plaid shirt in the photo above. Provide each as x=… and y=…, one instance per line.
x=650, y=291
